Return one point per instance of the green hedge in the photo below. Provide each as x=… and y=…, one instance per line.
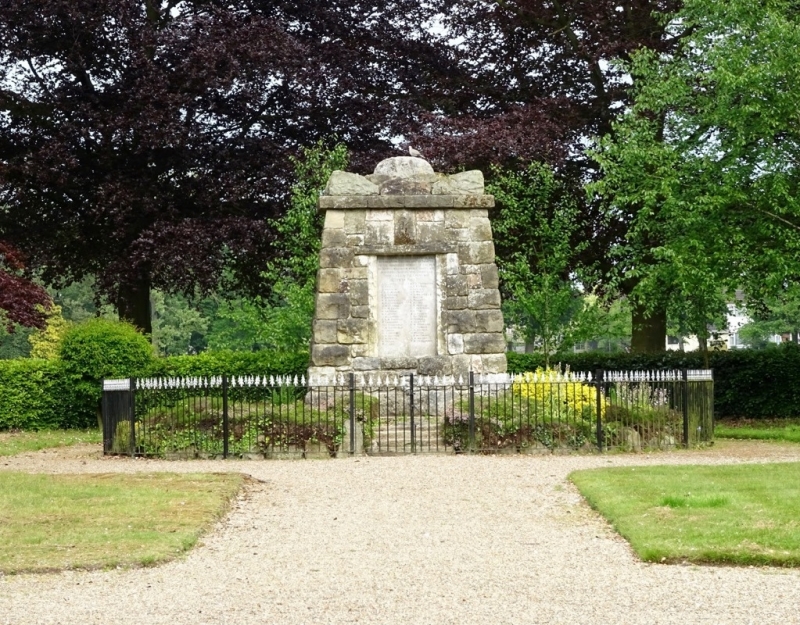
x=43, y=394
x=747, y=383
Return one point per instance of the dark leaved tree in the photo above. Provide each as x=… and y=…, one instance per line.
x=21, y=301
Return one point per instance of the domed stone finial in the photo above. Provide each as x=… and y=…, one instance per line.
x=404, y=167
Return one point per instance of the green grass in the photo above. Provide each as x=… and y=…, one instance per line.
x=18, y=442
x=740, y=514
x=787, y=430
x=55, y=522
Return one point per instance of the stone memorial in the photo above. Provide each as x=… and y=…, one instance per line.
x=407, y=280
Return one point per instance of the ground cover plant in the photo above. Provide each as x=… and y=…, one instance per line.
x=54, y=522
x=787, y=430
x=735, y=514
x=19, y=442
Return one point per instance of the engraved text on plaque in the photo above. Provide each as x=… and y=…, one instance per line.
x=406, y=306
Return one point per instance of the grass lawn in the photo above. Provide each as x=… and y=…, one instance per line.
x=762, y=429
x=739, y=514
x=18, y=442
x=53, y=522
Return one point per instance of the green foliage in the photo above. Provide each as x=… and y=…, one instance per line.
x=15, y=344
x=537, y=222
x=29, y=394
x=99, y=348
x=231, y=363
x=176, y=324
x=747, y=383
x=46, y=343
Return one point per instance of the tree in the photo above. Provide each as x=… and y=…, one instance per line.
x=21, y=301
x=534, y=228
x=707, y=158
x=147, y=143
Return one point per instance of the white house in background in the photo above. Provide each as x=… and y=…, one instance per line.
x=723, y=339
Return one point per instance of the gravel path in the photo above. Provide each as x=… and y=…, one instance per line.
x=436, y=539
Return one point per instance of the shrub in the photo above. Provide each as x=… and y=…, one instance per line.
x=99, y=348
x=28, y=394
x=747, y=383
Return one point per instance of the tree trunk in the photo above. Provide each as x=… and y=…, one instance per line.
x=649, y=332
x=133, y=304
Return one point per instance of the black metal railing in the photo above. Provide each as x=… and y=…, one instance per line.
x=542, y=412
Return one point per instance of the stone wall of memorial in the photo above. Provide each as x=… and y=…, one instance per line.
x=407, y=280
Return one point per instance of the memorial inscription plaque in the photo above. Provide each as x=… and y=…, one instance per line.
x=406, y=306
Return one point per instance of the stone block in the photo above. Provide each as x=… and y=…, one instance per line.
x=430, y=232
x=359, y=293
x=416, y=185
x=462, y=364
x=455, y=303
x=484, y=298
x=325, y=331
x=470, y=269
x=427, y=202
x=473, y=201
x=334, y=219
x=333, y=237
x=355, y=273
x=433, y=365
x=335, y=257
x=404, y=228
x=360, y=260
x=489, y=276
x=495, y=363
x=399, y=363
x=403, y=167
x=451, y=261
x=489, y=320
x=484, y=343
x=359, y=350
x=365, y=363
x=355, y=240
x=455, y=344
x=354, y=221
x=332, y=306
x=344, y=202
x=464, y=183
x=379, y=233
x=346, y=183
x=457, y=219
x=480, y=229
x=386, y=201
x=352, y=331
x=330, y=281
x=377, y=179
x=359, y=312
x=379, y=215
x=459, y=321
x=474, y=281
x=476, y=253
x=455, y=286
x=329, y=355
x=424, y=215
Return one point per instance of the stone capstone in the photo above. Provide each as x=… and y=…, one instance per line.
x=345, y=183
x=403, y=167
x=465, y=183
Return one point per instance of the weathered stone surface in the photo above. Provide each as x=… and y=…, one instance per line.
x=404, y=228
x=335, y=257
x=484, y=298
x=434, y=365
x=455, y=303
x=494, y=363
x=415, y=185
x=455, y=286
x=457, y=219
x=379, y=214
x=489, y=320
x=484, y=343
x=332, y=306
x=366, y=364
x=455, y=344
x=465, y=183
x=345, y=183
x=459, y=321
x=329, y=355
x=377, y=179
x=355, y=273
x=489, y=276
x=452, y=263
x=430, y=232
x=359, y=312
x=473, y=201
x=359, y=293
x=480, y=229
x=352, y=331
x=334, y=219
x=329, y=281
x=399, y=363
x=325, y=330
x=476, y=253
x=333, y=237
x=379, y=233
x=354, y=221
x=403, y=167
x=474, y=281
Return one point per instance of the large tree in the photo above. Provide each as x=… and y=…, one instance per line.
x=147, y=142
x=22, y=301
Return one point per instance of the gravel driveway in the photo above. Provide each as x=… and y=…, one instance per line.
x=436, y=539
